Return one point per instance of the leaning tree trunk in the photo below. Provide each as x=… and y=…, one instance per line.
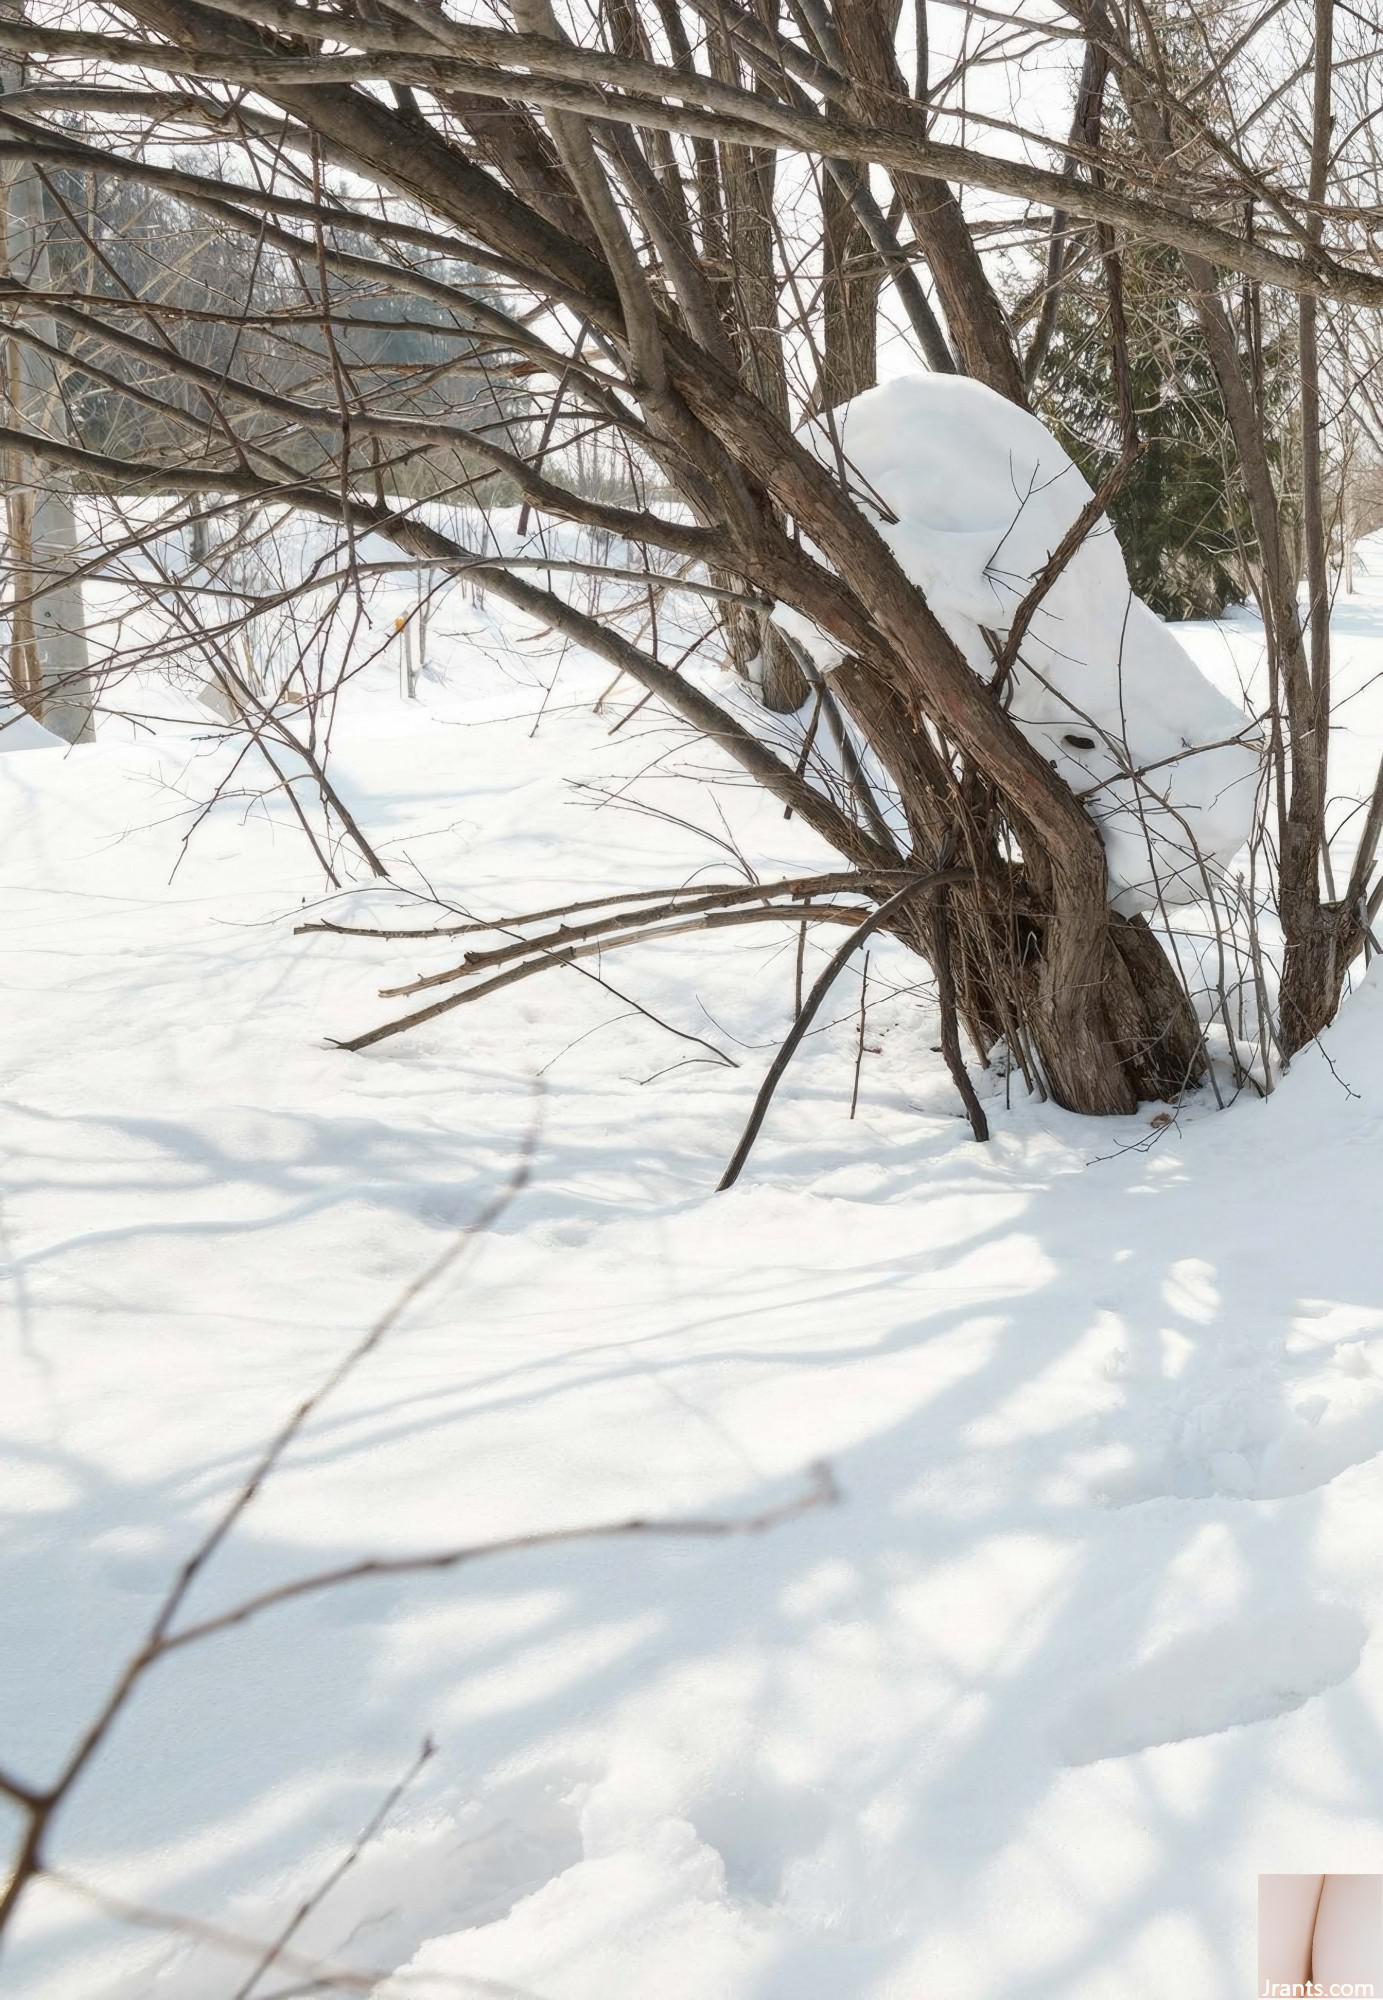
x=1107, y=1027
x=978, y=326
x=1087, y=1002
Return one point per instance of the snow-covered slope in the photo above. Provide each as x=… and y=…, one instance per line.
x=1090, y=1640
x=973, y=495
x=19, y=731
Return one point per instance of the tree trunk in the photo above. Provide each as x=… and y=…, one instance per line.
x=1320, y=939
x=1087, y=1002
x=851, y=276
x=979, y=330
x=747, y=176
x=49, y=665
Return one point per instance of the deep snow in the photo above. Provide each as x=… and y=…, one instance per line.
x=1090, y=1639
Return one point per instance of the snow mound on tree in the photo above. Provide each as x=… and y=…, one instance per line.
x=981, y=495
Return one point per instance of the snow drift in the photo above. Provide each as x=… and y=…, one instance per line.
x=19, y=731
x=982, y=494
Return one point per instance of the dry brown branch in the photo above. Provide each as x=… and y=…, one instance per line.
x=819, y=1490
x=707, y=108
x=797, y=913
x=721, y=892
x=695, y=903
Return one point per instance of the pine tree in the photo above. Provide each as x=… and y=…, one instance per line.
x=1181, y=521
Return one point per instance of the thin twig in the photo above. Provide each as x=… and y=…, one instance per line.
x=819, y=1490
x=924, y=885
x=273, y=1953
x=1104, y=494
x=859, y=1045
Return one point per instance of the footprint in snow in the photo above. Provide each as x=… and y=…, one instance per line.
x=1247, y=1670
x=1288, y=1428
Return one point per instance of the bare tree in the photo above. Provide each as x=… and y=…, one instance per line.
x=631, y=181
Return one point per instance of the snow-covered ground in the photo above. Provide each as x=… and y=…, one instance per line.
x=1092, y=1636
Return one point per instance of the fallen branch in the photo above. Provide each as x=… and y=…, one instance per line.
x=727, y=892
x=606, y=928
x=804, y=913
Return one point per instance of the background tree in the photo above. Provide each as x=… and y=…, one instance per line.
x=1180, y=514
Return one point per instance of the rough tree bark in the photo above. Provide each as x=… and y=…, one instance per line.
x=49, y=666
x=850, y=280
x=748, y=175
x=978, y=327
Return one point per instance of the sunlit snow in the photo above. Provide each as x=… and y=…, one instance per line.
x=973, y=495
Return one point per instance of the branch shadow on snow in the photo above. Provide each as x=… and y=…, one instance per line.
x=1086, y=1475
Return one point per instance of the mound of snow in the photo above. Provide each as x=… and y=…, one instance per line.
x=19, y=731
x=983, y=494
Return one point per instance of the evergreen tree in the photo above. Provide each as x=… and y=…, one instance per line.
x=1181, y=520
